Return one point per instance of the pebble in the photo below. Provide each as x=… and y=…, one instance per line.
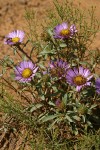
x=23, y=2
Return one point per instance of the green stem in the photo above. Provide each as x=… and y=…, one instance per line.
x=21, y=50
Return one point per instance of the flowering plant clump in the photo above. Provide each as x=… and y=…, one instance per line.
x=56, y=79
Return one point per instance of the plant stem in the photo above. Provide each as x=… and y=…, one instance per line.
x=21, y=50
x=13, y=88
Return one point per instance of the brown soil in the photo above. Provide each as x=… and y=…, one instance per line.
x=12, y=17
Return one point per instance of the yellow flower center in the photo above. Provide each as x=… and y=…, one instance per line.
x=79, y=80
x=65, y=32
x=15, y=39
x=26, y=73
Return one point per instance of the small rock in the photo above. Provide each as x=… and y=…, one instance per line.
x=23, y=2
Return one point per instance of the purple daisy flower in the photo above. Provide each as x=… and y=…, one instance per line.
x=59, y=104
x=79, y=77
x=15, y=37
x=25, y=71
x=58, y=101
x=97, y=85
x=59, y=68
x=62, y=31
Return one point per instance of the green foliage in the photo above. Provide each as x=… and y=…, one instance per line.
x=15, y=110
x=48, y=102
x=87, y=142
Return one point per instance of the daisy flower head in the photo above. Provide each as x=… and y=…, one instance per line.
x=97, y=85
x=58, y=68
x=25, y=71
x=63, y=31
x=79, y=77
x=59, y=104
x=14, y=38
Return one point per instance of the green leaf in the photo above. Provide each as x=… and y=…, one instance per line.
x=64, y=99
x=76, y=118
x=50, y=32
x=83, y=118
x=51, y=103
x=68, y=118
x=63, y=45
x=93, y=106
x=51, y=125
x=48, y=118
x=35, y=107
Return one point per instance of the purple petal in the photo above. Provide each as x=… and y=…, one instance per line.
x=30, y=65
x=64, y=25
x=71, y=73
x=89, y=78
x=60, y=63
x=76, y=71
x=88, y=83
x=97, y=85
x=73, y=28
x=78, y=88
x=19, y=69
x=24, y=64
x=35, y=70
x=70, y=81
x=86, y=72
x=97, y=82
x=52, y=65
x=18, y=77
x=81, y=71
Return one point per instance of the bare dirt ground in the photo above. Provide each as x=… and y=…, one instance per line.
x=12, y=17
